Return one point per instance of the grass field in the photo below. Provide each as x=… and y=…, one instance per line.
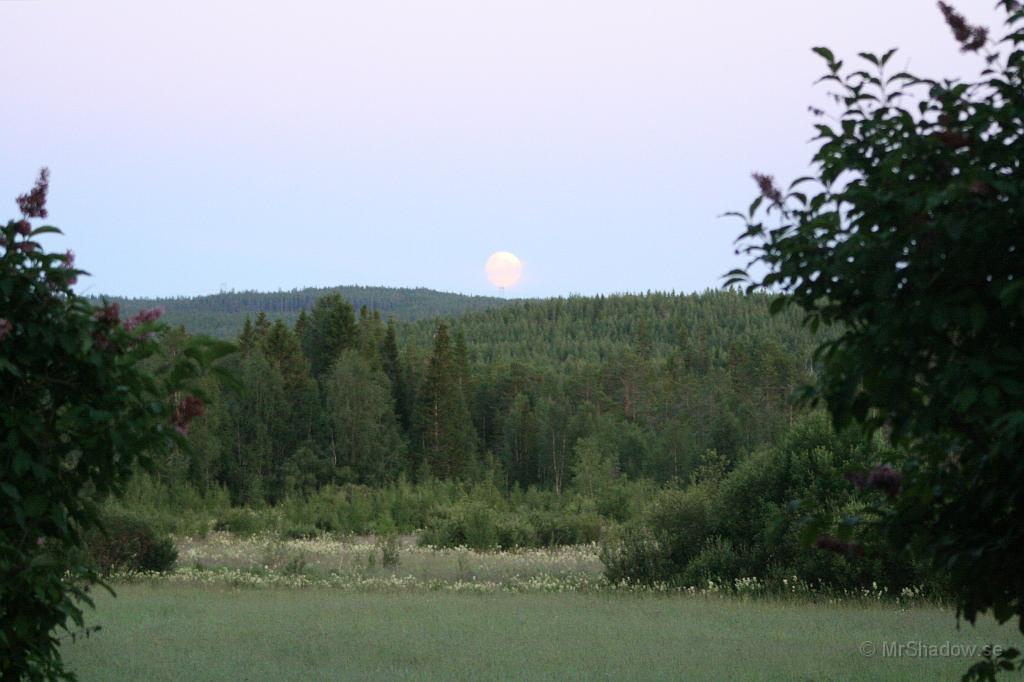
x=186, y=632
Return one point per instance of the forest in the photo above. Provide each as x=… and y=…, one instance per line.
x=645, y=384
x=664, y=426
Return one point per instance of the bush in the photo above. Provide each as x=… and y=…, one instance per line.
x=632, y=555
x=719, y=561
x=740, y=525
x=86, y=398
x=679, y=521
x=474, y=524
x=479, y=526
x=913, y=213
x=515, y=531
x=389, y=551
x=128, y=543
x=470, y=524
x=300, y=532
x=242, y=521
x=555, y=528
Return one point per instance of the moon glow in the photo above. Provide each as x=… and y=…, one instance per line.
x=503, y=269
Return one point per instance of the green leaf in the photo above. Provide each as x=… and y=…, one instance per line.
x=46, y=229
x=8, y=366
x=754, y=205
x=11, y=491
x=777, y=304
x=825, y=53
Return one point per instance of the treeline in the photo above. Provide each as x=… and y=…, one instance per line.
x=222, y=315
x=532, y=394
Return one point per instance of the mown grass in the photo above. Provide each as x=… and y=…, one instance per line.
x=174, y=632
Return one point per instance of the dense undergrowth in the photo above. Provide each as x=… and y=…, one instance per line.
x=728, y=525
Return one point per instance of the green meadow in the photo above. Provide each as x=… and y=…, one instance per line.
x=161, y=631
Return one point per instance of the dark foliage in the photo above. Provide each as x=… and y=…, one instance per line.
x=79, y=411
x=909, y=244
x=740, y=523
x=125, y=542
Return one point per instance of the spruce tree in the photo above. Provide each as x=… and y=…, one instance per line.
x=247, y=339
x=444, y=430
x=370, y=336
x=392, y=366
x=262, y=325
x=332, y=329
x=302, y=326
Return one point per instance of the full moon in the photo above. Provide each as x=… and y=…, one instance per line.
x=503, y=269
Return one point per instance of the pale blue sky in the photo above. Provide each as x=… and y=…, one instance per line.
x=266, y=145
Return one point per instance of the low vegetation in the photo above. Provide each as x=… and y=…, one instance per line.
x=157, y=631
x=726, y=524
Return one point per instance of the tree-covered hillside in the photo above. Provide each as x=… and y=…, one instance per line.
x=593, y=328
x=222, y=315
x=537, y=393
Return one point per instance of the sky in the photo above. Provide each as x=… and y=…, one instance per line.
x=204, y=146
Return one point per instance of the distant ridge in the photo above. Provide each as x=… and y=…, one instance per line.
x=222, y=315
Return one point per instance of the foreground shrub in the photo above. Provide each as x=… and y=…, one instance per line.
x=906, y=240
x=128, y=543
x=85, y=398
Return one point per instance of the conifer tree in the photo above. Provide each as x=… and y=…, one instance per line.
x=392, y=367
x=444, y=430
x=302, y=326
x=332, y=329
x=247, y=339
x=370, y=336
x=262, y=325
x=462, y=363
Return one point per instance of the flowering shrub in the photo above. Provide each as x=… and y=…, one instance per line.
x=908, y=243
x=78, y=413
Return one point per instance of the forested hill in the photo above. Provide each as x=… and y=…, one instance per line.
x=644, y=385
x=596, y=328
x=222, y=315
